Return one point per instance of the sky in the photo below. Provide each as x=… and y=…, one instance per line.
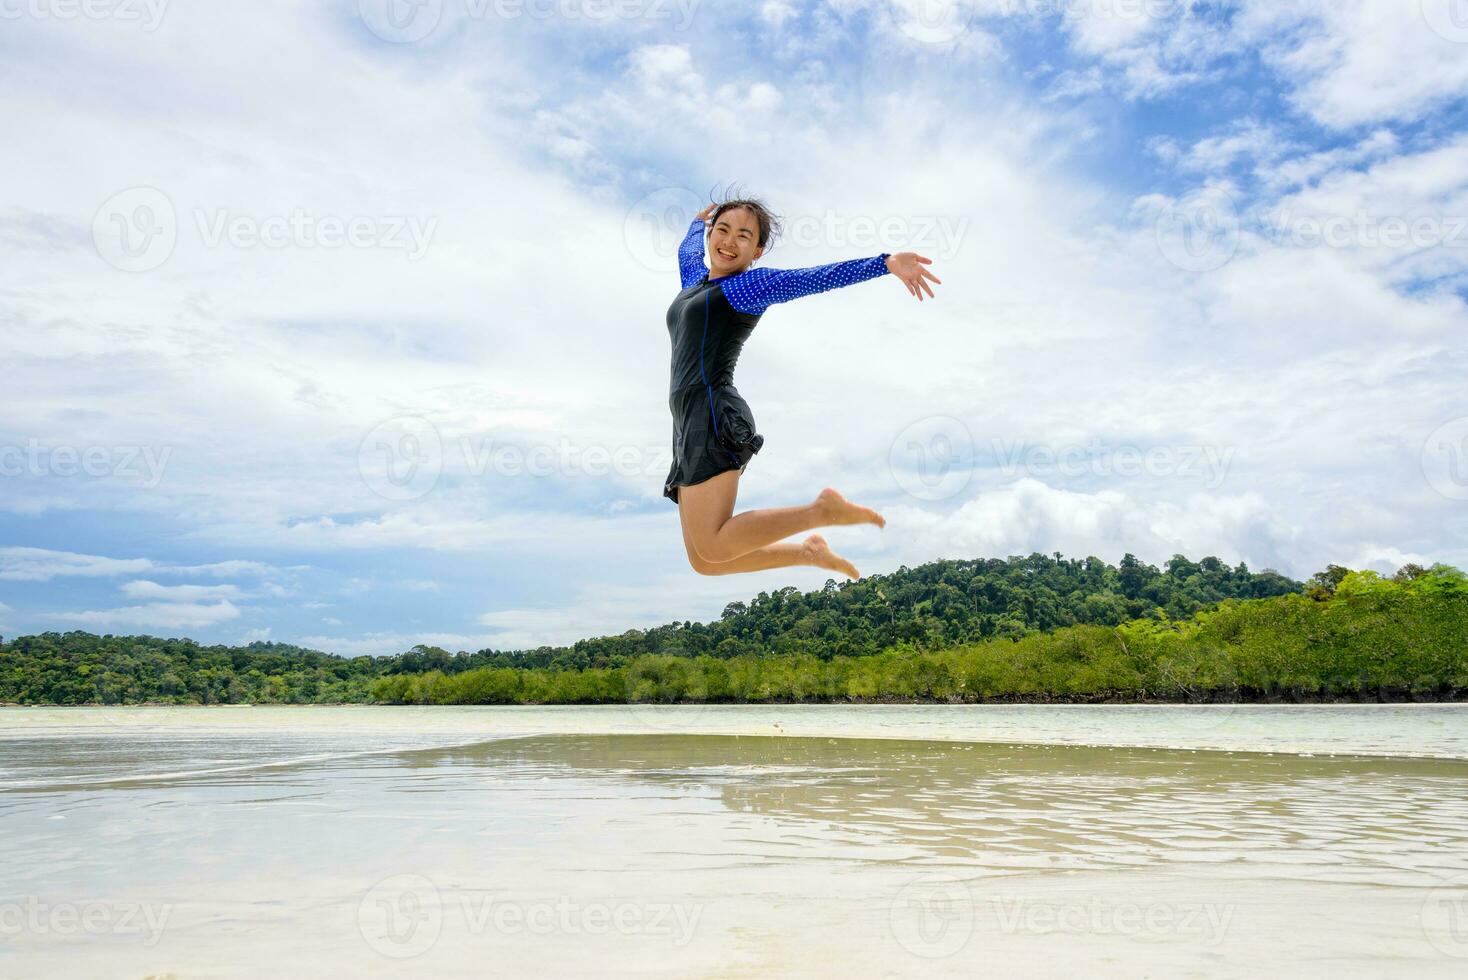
x=343, y=323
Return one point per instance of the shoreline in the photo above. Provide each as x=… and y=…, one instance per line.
x=1317, y=701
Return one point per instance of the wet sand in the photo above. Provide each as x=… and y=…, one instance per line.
x=721, y=856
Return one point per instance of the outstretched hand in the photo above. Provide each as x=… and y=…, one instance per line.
x=905, y=266
x=707, y=213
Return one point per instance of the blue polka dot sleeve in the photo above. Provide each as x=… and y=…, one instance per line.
x=754, y=290
x=690, y=254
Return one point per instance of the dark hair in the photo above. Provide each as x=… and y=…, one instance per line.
x=769, y=223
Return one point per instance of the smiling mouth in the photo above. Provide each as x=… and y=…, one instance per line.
x=727, y=255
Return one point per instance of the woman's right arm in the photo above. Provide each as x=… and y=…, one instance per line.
x=690, y=254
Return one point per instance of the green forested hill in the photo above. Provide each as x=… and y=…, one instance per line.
x=1353, y=636
x=938, y=604
x=935, y=606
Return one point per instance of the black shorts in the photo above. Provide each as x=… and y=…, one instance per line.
x=713, y=432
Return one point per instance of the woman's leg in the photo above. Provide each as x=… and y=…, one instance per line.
x=718, y=535
x=813, y=552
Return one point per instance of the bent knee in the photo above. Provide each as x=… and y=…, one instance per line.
x=703, y=567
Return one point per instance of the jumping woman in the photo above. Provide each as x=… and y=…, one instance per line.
x=714, y=434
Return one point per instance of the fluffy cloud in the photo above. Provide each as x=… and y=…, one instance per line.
x=534, y=316
x=42, y=565
x=143, y=589
x=155, y=615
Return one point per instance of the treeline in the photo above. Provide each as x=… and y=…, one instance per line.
x=1354, y=636
x=934, y=606
x=940, y=606
x=82, y=668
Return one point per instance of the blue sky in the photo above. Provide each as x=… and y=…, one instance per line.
x=342, y=324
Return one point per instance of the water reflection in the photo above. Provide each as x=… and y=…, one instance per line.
x=1031, y=807
x=790, y=856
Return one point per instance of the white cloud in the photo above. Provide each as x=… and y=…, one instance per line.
x=1246, y=139
x=156, y=615
x=143, y=589
x=1059, y=320
x=609, y=609
x=1355, y=62
x=42, y=565
x=1027, y=516
x=776, y=12
x=386, y=643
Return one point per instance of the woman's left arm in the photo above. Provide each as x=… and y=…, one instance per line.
x=755, y=290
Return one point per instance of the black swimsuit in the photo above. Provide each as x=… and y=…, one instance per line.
x=708, y=323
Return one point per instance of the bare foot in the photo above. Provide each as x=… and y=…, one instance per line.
x=819, y=554
x=836, y=509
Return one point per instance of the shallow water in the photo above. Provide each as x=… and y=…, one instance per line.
x=618, y=841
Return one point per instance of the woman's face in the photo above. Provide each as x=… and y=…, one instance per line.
x=732, y=243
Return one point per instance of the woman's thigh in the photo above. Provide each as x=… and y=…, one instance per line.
x=704, y=507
